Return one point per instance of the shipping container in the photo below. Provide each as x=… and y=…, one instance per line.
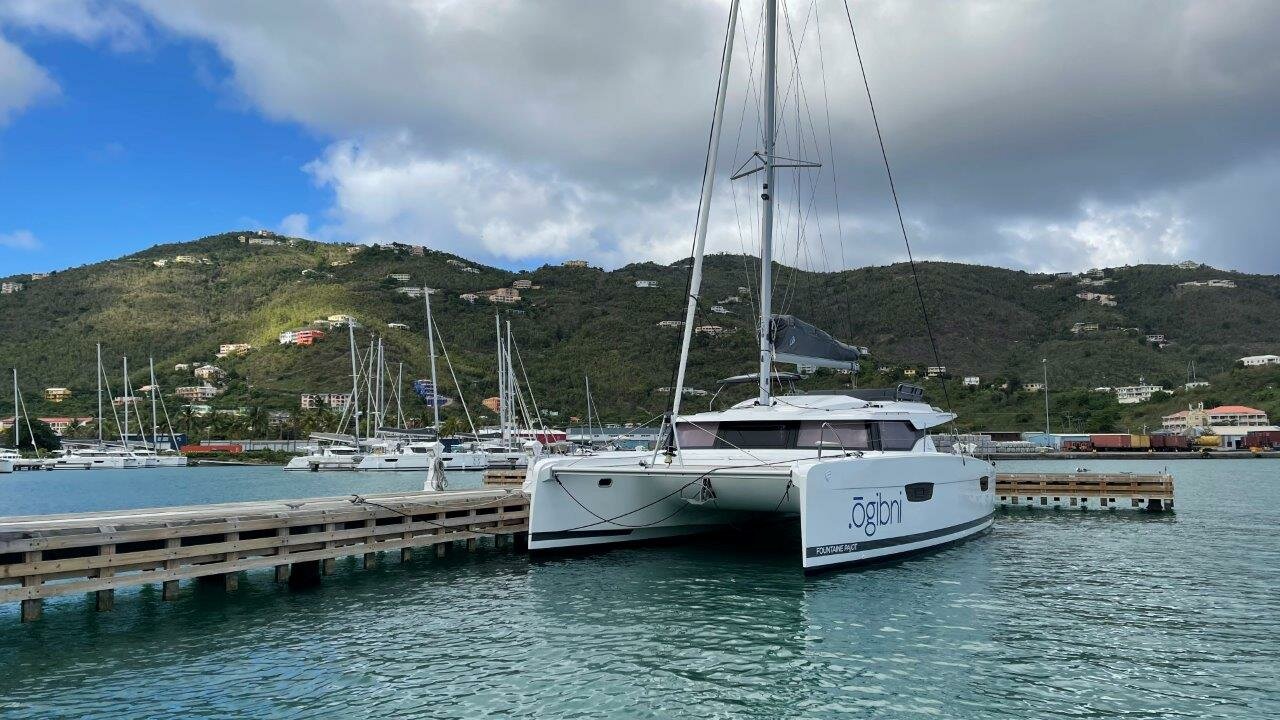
x=212, y=448
x=1111, y=441
x=1263, y=439
x=1169, y=442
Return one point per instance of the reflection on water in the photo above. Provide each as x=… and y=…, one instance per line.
x=1053, y=614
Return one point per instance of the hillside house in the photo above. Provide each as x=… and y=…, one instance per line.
x=1195, y=384
x=1256, y=360
x=413, y=292
x=181, y=367
x=9, y=288
x=122, y=400
x=1132, y=394
x=230, y=349
x=744, y=290
x=163, y=262
x=720, y=309
x=573, y=264
x=39, y=276
x=646, y=283
x=302, y=338
x=1156, y=338
x=711, y=330
x=522, y=284
x=339, y=320
x=1094, y=282
x=399, y=277
x=314, y=401
x=60, y=425
x=397, y=326
x=507, y=296
x=57, y=394
x=210, y=373
x=670, y=323
x=1083, y=327
x=469, y=298
x=1033, y=387
x=1042, y=286
x=1101, y=298
x=970, y=381
x=192, y=260
x=198, y=392
x=935, y=371
x=909, y=372
x=1215, y=283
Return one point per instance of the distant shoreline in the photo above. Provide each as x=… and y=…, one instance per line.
x=1216, y=455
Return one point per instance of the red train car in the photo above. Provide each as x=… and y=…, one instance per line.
x=1170, y=443
x=1262, y=439
x=1111, y=441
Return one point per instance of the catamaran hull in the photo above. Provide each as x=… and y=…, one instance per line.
x=172, y=461
x=851, y=511
x=317, y=463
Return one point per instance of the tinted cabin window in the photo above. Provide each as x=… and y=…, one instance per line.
x=759, y=435
x=850, y=435
x=702, y=435
x=898, y=435
x=919, y=492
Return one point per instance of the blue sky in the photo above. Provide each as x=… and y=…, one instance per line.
x=1040, y=135
x=136, y=150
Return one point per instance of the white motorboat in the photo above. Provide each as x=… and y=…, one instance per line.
x=97, y=458
x=327, y=457
x=8, y=458
x=392, y=455
x=855, y=467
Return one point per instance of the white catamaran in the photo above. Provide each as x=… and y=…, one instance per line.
x=857, y=467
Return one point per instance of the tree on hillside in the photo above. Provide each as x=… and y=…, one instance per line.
x=45, y=438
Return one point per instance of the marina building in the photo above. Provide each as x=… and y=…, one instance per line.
x=970, y=381
x=646, y=283
x=1256, y=360
x=229, y=349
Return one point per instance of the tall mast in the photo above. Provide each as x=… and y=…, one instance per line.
x=431, y=346
x=399, y=393
x=355, y=382
x=155, y=422
x=125, y=437
x=17, y=430
x=502, y=383
x=590, y=437
x=99, y=393
x=766, y=223
x=511, y=383
x=704, y=208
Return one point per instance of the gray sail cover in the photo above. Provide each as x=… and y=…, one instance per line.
x=796, y=341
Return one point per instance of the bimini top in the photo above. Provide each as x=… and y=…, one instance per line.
x=831, y=406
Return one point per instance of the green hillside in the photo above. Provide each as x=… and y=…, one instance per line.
x=990, y=322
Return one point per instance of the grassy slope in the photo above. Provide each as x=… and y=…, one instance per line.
x=988, y=321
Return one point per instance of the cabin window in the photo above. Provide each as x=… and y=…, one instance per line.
x=983, y=484
x=757, y=435
x=693, y=437
x=919, y=492
x=849, y=435
x=898, y=435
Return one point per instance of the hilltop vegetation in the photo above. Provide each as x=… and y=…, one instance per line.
x=990, y=322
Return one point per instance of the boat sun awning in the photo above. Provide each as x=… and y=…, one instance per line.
x=796, y=341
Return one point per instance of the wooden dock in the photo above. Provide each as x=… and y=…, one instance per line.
x=1085, y=491
x=504, y=477
x=51, y=555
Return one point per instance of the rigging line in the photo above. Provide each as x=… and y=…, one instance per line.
x=884, y=154
x=706, y=168
x=462, y=400
x=835, y=175
x=541, y=425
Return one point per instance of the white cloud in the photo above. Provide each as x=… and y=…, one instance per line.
x=1153, y=231
x=295, y=225
x=22, y=81
x=84, y=20
x=20, y=240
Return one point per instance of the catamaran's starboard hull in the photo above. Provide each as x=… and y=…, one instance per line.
x=595, y=503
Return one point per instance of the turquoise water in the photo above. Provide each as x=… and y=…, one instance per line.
x=1055, y=614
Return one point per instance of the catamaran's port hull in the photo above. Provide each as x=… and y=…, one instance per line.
x=852, y=510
